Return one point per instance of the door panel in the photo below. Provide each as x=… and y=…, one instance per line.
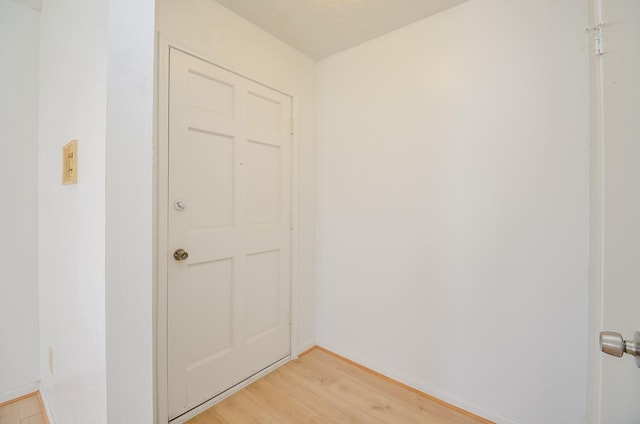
x=263, y=277
x=212, y=180
x=214, y=281
x=229, y=169
x=620, y=378
x=264, y=178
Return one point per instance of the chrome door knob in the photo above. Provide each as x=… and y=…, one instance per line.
x=180, y=255
x=613, y=344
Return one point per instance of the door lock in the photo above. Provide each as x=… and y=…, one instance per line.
x=180, y=255
x=613, y=344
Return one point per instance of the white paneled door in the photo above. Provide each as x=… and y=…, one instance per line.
x=230, y=212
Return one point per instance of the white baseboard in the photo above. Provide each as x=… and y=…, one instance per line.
x=20, y=391
x=438, y=394
x=465, y=404
x=47, y=409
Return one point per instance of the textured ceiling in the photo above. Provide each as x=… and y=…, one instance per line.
x=321, y=28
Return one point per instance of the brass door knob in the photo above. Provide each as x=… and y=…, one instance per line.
x=180, y=255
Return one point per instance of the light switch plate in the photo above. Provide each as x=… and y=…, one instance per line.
x=70, y=163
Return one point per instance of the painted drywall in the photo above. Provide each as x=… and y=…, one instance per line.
x=212, y=31
x=129, y=224
x=19, y=37
x=72, y=105
x=453, y=207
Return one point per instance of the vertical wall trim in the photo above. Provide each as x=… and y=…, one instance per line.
x=596, y=233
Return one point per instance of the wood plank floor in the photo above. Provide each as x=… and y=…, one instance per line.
x=323, y=388
x=26, y=409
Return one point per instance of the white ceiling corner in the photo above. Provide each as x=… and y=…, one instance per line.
x=321, y=28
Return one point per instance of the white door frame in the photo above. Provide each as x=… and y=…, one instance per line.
x=598, y=175
x=594, y=357
x=161, y=170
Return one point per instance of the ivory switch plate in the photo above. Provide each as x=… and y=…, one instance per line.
x=70, y=163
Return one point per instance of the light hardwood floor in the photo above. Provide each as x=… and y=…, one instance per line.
x=321, y=387
x=23, y=410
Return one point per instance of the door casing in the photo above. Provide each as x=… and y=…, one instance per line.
x=598, y=282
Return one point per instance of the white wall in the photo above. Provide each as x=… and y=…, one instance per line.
x=72, y=104
x=19, y=34
x=207, y=28
x=129, y=207
x=453, y=207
